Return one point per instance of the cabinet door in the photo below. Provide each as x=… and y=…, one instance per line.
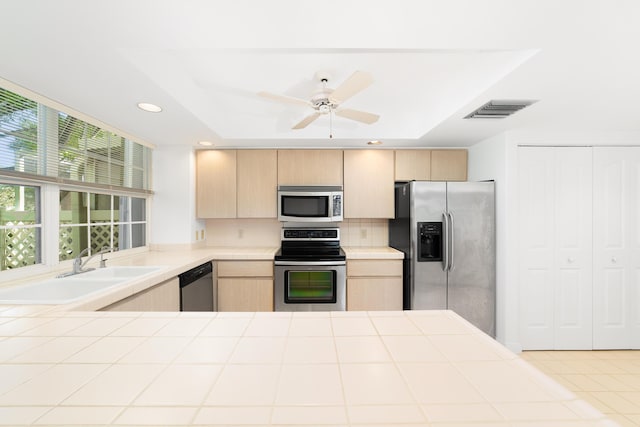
x=413, y=165
x=216, y=183
x=616, y=247
x=245, y=294
x=555, y=235
x=162, y=297
x=374, y=293
x=310, y=167
x=257, y=183
x=368, y=184
x=448, y=165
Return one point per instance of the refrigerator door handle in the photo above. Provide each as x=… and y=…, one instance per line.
x=451, y=245
x=445, y=239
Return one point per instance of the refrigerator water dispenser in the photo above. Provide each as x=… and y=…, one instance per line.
x=429, y=241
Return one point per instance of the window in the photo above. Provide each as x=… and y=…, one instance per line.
x=98, y=221
x=20, y=226
x=102, y=180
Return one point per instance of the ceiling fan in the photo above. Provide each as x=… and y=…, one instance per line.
x=327, y=100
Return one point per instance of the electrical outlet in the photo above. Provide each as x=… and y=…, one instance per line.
x=201, y=235
x=196, y=235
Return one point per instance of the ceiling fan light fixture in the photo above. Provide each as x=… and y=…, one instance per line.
x=324, y=108
x=327, y=101
x=151, y=108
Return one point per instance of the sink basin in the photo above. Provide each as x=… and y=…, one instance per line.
x=72, y=288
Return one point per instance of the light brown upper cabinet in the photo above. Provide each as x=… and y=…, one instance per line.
x=257, y=172
x=309, y=167
x=448, y=165
x=413, y=165
x=216, y=183
x=236, y=183
x=368, y=183
x=431, y=165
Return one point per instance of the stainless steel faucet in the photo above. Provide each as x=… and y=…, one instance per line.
x=78, y=265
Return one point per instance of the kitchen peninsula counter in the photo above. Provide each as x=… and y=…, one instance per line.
x=428, y=368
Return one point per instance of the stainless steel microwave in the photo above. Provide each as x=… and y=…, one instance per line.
x=309, y=203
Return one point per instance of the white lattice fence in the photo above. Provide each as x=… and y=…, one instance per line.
x=66, y=247
x=101, y=237
x=19, y=246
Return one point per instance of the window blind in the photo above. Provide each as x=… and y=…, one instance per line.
x=43, y=144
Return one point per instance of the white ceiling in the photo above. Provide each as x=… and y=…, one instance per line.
x=432, y=62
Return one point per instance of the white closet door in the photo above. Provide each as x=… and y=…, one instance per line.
x=616, y=247
x=574, y=248
x=555, y=247
x=536, y=170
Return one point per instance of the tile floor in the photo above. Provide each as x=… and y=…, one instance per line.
x=609, y=380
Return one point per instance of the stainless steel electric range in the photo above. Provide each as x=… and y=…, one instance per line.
x=310, y=271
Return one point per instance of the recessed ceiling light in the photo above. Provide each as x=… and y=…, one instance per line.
x=205, y=143
x=375, y=142
x=152, y=108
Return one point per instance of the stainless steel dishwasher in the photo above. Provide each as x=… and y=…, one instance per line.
x=197, y=292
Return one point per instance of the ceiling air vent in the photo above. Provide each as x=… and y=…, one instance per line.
x=499, y=109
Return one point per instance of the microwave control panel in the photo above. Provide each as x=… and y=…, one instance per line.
x=337, y=205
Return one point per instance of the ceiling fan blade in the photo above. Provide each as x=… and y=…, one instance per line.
x=285, y=99
x=306, y=121
x=357, y=115
x=358, y=81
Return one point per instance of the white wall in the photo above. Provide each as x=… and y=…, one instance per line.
x=489, y=160
x=173, y=216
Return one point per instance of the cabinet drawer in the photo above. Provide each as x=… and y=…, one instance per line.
x=245, y=268
x=374, y=267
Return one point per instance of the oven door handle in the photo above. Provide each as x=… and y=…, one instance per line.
x=311, y=263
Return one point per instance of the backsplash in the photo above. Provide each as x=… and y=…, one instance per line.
x=243, y=232
x=364, y=232
x=266, y=232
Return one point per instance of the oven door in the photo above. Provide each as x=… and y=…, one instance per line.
x=310, y=286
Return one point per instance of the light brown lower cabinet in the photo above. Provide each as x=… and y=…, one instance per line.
x=161, y=297
x=374, y=285
x=245, y=285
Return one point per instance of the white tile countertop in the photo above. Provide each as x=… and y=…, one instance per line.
x=422, y=368
x=171, y=263
x=375, y=252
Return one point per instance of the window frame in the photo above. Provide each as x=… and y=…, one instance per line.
x=47, y=179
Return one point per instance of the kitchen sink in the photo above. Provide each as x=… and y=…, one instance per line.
x=72, y=288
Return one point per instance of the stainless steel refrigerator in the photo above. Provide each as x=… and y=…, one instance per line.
x=447, y=233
